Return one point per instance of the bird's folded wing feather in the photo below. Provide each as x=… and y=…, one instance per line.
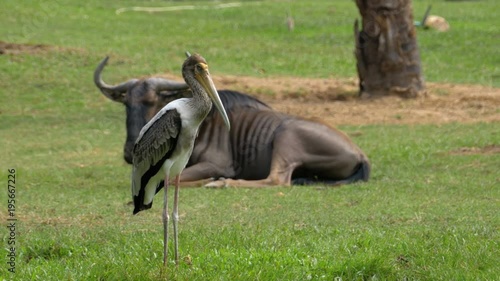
x=157, y=138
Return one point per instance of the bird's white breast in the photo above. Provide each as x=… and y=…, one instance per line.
x=185, y=142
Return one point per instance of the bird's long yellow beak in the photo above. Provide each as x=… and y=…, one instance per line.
x=203, y=76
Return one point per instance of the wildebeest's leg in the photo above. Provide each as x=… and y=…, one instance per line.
x=280, y=175
x=194, y=184
x=185, y=184
x=202, y=173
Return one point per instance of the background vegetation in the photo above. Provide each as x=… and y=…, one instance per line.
x=426, y=214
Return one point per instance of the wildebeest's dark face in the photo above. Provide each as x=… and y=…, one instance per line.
x=142, y=98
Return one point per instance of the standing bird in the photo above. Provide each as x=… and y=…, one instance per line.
x=165, y=143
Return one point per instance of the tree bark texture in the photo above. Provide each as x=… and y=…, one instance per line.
x=388, y=61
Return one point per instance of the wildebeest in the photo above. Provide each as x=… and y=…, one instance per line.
x=263, y=148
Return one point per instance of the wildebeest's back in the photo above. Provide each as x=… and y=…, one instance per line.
x=232, y=99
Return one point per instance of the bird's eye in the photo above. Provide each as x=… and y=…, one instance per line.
x=199, y=68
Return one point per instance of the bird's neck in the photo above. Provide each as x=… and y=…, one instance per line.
x=200, y=101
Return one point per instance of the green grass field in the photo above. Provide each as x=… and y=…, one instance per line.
x=426, y=214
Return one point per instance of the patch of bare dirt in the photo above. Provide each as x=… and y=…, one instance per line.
x=489, y=149
x=336, y=101
x=7, y=48
x=15, y=49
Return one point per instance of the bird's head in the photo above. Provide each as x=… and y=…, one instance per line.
x=195, y=68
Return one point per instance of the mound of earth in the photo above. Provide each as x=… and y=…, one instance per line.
x=337, y=103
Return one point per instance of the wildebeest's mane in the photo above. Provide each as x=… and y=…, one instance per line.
x=231, y=99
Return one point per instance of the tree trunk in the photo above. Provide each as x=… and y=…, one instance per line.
x=388, y=60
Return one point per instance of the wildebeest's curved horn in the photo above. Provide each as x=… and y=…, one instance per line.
x=114, y=93
x=162, y=84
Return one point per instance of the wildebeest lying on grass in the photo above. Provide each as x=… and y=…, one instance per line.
x=263, y=148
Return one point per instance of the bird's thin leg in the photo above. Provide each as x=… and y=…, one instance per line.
x=175, y=216
x=165, y=221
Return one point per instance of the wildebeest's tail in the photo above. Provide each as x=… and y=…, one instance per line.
x=361, y=174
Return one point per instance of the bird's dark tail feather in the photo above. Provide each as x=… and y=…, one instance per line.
x=361, y=174
x=139, y=206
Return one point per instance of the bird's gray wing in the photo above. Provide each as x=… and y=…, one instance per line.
x=155, y=144
x=157, y=137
